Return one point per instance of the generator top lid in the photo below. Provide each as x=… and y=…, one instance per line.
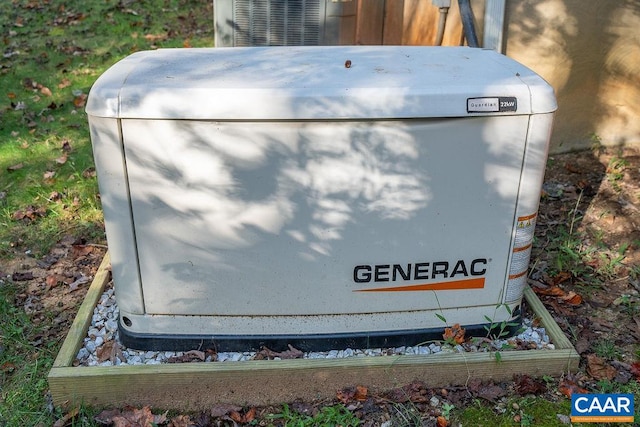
x=318, y=83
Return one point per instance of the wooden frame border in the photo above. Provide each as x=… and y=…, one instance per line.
x=197, y=386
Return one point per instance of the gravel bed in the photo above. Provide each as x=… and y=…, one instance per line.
x=101, y=348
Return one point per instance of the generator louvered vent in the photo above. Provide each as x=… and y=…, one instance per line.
x=276, y=22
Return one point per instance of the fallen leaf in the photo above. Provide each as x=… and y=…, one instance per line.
x=268, y=354
x=599, y=369
x=347, y=394
x=181, y=421
x=224, y=409
x=635, y=370
x=49, y=175
x=524, y=384
x=441, y=421
x=89, y=173
x=415, y=392
x=189, y=356
x=46, y=91
x=131, y=417
x=68, y=417
x=8, y=367
x=81, y=250
x=22, y=276
x=454, y=334
x=64, y=83
x=110, y=350
x=105, y=417
x=491, y=392
x=361, y=393
x=66, y=146
x=52, y=280
x=15, y=167
x=553, y=291
x=76, y=283
x=55, y=196
x=155, y=37
x=569, y=386
x=80, y=100
x=62, y=159
x=572, y=168
x=571, y=298
x=243, y=418
x=561, y=277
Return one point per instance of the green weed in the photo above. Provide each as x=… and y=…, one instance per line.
x=607, y=349
x=336, y=415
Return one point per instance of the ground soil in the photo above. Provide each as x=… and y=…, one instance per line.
x=594, y=196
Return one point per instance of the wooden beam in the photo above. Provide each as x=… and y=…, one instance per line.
x=81, y=323
x=197, y=386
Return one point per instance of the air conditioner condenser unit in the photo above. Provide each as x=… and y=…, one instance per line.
x=284, y=22
x=323, y=197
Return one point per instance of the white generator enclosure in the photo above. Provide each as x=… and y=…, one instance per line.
x=322, y=197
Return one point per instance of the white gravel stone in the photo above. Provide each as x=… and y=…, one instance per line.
x=104, y=327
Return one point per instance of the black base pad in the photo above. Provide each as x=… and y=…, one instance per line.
x=319, y=342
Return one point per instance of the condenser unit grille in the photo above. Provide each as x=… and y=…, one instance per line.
x=276, y=22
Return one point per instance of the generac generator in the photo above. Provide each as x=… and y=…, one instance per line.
x=323, y=197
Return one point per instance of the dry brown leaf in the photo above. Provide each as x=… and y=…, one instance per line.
x=80, y=100
x=45, y=91
x=454, y=334
x=189, y=356
x=568, y=387
x=266, y=353
x=561, y=277
x=132, y=417
x=62, y=159
x=553, y=291
x=224, y=409
x=110, y=350
x=571, y=298
x=361, y=393
x=635, y=370
x=572, y=168
x=15, y=167
x=89, y=173
x=64, y=83
x=68, y=417
x=243, y=418
x=599, y=369
x=155, y=37
x=181, y=421
x=524, y=384
x=81, y=250
x=52, y=280
x=48, y=175
x=441, y=421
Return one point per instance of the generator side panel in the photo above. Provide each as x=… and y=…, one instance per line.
x=533, y=168
x=110, y=164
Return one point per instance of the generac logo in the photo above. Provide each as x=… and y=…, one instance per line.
x=438, y=275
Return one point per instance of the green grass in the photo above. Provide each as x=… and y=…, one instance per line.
x=23, y=366
x=336, y=415
x=53, y=51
